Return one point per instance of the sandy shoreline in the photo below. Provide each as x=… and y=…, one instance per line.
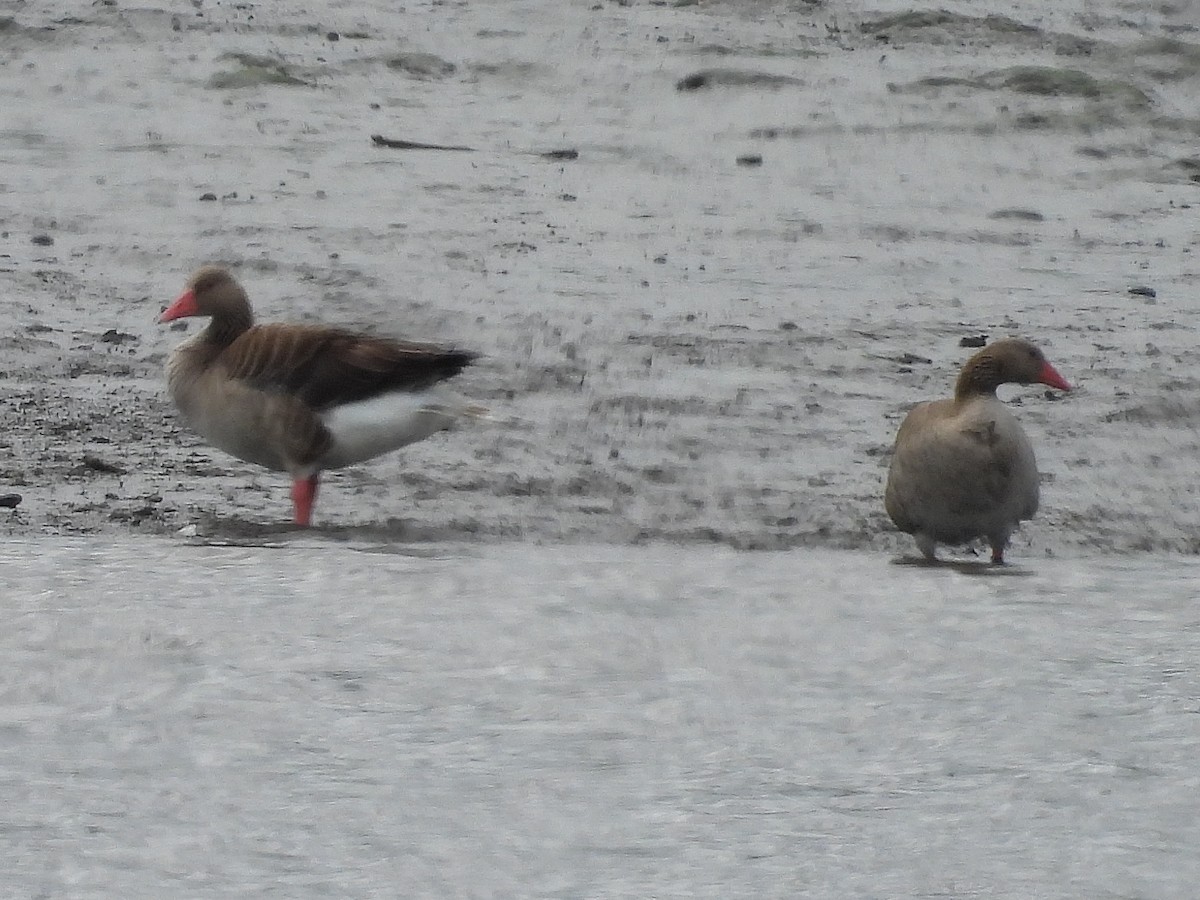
x=678, y=347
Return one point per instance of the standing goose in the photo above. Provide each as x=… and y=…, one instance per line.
x=302, y=398
x=963, y=468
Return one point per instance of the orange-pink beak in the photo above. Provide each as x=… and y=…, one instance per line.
x=184, y=305
x=1048, y=375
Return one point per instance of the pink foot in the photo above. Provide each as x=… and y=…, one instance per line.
x=304, y=494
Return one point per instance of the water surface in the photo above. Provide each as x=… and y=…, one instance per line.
x=315, y=720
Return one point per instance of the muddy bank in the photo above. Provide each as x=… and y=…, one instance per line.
x=678, y=347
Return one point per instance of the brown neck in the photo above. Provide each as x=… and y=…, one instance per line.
x=979, y=378
x=228, y=325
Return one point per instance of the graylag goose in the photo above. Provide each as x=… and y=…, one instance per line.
x=963, y=468
x=302, y=398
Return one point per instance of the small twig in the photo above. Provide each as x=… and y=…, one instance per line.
x=392, y=144
x=96, y=464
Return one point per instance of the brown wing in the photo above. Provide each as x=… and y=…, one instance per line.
x=326, y=367
x=942, y=468
x=955, y=474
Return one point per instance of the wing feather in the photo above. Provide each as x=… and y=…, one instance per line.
x=325, y=367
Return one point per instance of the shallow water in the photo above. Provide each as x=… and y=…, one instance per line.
x=676, y=346
x=313, y=719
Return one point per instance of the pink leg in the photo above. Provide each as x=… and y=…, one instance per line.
x=304, y=494
x=997, y=554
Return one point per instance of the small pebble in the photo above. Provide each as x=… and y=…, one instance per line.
x=1143, y=291
x=333, y=36
x=208, y=196
x=112, y=336
x=43, y=240
x=750, y=159
x=10, y=501
x=974, y=340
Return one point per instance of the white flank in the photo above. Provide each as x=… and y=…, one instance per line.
x=385, y=423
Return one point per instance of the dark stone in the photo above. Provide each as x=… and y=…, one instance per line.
x=421, y=65
x=1023, y=215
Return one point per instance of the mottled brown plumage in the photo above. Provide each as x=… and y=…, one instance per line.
x=963, y=468
x=326, y=367
x=301, y=398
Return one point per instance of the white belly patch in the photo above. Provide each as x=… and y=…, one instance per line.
x=373, y=427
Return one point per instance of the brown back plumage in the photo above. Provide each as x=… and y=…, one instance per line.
x=321, y=366
x=326, y=367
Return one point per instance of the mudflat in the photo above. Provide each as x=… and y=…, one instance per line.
x=712, y=254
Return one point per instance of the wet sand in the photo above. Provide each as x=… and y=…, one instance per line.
x=679, y=346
